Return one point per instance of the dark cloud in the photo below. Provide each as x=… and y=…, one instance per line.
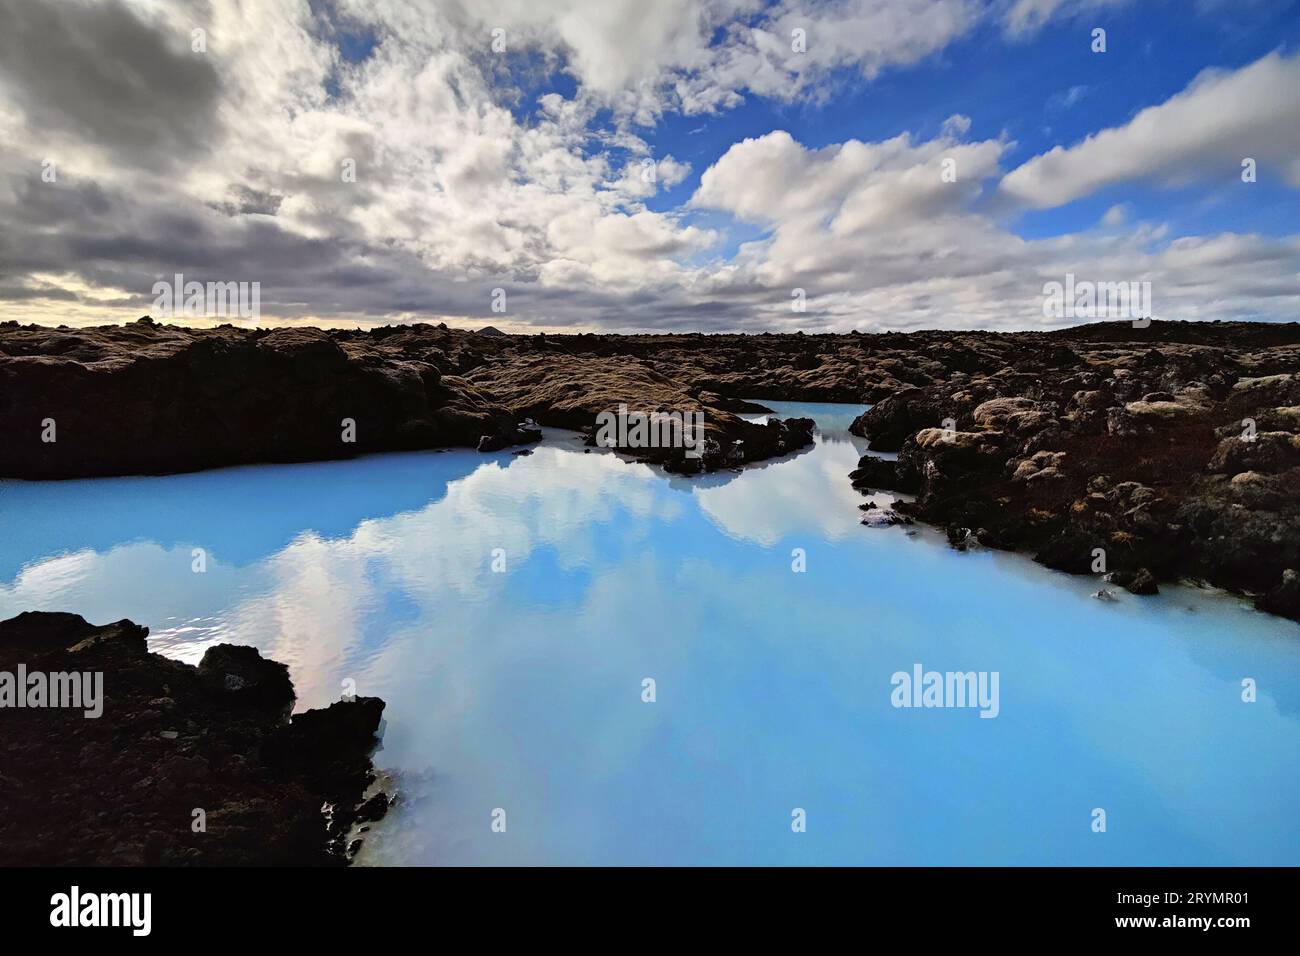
x=11, y=292
x=96, y=71
x=244, y=201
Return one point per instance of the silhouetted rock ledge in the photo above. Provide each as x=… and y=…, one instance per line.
x=184, y=766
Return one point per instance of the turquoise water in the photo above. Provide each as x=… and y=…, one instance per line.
x=521, y=690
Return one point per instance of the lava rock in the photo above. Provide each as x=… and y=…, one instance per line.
x=1141, y=581
x=173, y=746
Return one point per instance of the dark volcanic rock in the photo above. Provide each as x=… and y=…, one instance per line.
x=244, y=678
x=1141, y=581
x=154, y=399
x=874, y=472
x=894, y=420
x=148, y=398
x=1153, y=454
x=1069, y=551
x=183, y=766
x=566, y=391
x=376, y=808
x=510, y=434
x=1285, y=598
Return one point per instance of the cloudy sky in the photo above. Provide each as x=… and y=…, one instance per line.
x=649, y=164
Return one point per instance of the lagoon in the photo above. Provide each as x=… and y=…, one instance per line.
x=510, y=609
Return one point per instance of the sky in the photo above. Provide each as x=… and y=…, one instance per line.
x=649, y=165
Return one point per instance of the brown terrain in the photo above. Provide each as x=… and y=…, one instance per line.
x=122, y=788
x=156, y=399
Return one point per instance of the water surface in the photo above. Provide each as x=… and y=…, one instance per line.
x=521, y=689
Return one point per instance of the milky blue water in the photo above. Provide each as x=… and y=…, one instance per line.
x=521, y=690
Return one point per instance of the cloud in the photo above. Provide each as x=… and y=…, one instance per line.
x=697, y=56
x=848, y=187
x=1201, y=134
x=1024, y=17
x=413, y=176
x=1059, y=102
x=101, y=73
x=1116, y=215
x=877, y=238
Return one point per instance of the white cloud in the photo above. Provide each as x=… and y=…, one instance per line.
x=697, y=56
x=877, y=238
x=1064, y=100
x=1202, y=133
x=1026, y=16
x=463, y=184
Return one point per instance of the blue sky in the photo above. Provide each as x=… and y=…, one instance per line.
x=402, y=160
x=1040, y=92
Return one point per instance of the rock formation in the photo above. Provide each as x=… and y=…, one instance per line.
x=184, y=765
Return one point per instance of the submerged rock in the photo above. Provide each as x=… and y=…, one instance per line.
x=1141, y=581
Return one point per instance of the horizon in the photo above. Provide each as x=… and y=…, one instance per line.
x=683, y=167
x=215, y=323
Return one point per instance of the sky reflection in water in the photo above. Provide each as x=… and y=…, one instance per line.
x=522, y=690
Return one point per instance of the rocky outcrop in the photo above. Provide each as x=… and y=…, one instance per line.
x=888, y=424
x=184, y=765
x=1174, y=454
x=568, y=391
x=155, y=399
x=873, y=472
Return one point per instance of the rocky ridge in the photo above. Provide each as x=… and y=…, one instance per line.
x=146, y=398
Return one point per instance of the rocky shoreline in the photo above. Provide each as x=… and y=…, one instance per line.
x=146, y=398
x=1143, y=456
x=183, y=765
x=1147, y=454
